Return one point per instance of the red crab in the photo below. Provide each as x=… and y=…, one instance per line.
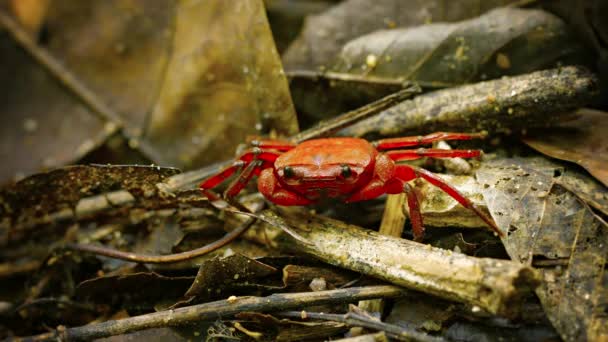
x=350, y=169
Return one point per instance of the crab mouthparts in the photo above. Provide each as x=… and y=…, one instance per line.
x=318, y=179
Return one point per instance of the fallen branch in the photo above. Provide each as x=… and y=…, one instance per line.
x=504, y=105
x=216, y=310
x=497, y=286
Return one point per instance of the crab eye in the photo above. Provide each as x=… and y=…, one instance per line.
x=288, y=172
x=346, y=171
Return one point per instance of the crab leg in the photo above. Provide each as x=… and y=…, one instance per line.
x=247, y=158
x=397, y=155
x=415, y=215
x=453, y=192
x=387, y=144
x=241, y=181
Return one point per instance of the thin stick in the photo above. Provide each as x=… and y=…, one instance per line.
x=164, y=259
x=326, y=128
x=339, y=76
x=358, y=320
x=216, y=310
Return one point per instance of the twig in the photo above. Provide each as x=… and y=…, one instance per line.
x=326, y=128
x=163, y=259
x=497, y=286
x=357, y=320
x=345, y=77
x=216, y=310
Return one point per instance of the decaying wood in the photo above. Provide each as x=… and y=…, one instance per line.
x=496, y=286
x=506, y=105
x=392, y=224
x=216, y=310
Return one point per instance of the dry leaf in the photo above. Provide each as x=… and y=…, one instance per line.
x=550, y=227
x=224, y=81
x=179, y=78
x=42, y=124
x=582, y=141
x=217, y=276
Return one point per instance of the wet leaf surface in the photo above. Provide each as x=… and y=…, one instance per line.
x=322, y=95
x=551, y=227
x=323, y=35
x=429, y=315
x=582, y=141
x=505, y=41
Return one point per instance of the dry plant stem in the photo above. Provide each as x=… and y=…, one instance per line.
x=164, y=259
x=357, y=320
x=338, y=76
x=496, y=286
x=392, y=224
x=216, y=310
x=327, y=128
x=503, y=105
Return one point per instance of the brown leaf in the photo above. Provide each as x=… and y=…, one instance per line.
x=186, y=76
x=323, y=35
x=582, y=141
x=119, y=49
x=552, y=228
x=50, y=131
x=223, y=82
x=30, y=13
x=179, y=79
x=504, y=41
x=217, y=275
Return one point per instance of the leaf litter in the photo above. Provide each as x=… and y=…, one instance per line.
x=551, y=227
x=82, y=205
